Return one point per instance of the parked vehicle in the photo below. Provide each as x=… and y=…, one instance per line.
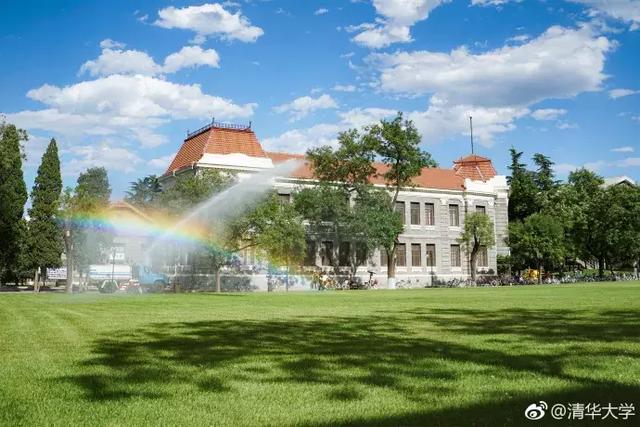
x=110, y=278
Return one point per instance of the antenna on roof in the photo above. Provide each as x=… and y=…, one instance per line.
x=213, y=119
x=249, y=124
x=471, y=126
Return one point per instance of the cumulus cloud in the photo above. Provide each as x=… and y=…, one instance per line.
x=548, y=113
x=300, y=140
x=627, y=11
x=105, y=154
x=209, y=20
x=511, y=75
x=395, y=22
x=124, y=105
x=114, y=60
x=301, y=107
x=190, y=57
x=111, y=44
x=619, y=93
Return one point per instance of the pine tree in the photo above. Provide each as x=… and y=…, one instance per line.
x=13, y=196
x=45, y=234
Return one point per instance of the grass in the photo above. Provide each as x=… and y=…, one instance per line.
x=407, y=357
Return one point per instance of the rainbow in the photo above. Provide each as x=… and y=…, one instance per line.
x=157, y=226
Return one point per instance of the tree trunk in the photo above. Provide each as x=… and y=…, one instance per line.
x=601, y=267
x=539, y=273
x=472, y=265
x=391, y=267
x=36, y=281
x=217, y=273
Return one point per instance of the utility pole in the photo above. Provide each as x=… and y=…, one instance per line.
x=471, y=127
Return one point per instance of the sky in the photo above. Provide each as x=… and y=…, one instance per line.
x=120, y=86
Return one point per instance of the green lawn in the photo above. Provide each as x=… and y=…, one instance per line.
x=406, y=357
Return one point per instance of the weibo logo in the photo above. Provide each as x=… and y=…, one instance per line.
x=536, y=411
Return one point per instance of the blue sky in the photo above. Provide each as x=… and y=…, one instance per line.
x=119, y=86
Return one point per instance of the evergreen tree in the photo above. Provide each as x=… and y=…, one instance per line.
x=144, y=191
x=545, y=177
x=523, y=195
x=13, y=196
x=46, y=244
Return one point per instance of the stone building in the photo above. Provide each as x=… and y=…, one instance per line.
x=433, y=209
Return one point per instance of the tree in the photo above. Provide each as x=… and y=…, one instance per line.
x=544, y=179
x=397, y=144
x=274, y=228
x=347, y=171
x=13, y=196
x=537, y=242
x=477, y=234
x=144, y=191
x=46, y=244
x=86, y=239
x=187, y=192
x=523, y=193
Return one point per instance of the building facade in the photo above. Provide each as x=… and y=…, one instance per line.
x=433, y=209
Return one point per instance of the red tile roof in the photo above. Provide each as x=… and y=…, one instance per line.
x=444, y=179
x=221, y=139
x=216, y=139
x=474, y=167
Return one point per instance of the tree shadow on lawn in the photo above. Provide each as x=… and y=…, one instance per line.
x=352, y=355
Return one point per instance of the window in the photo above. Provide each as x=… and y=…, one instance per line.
x=455, y=256
x=401, y=255
x=327, y=253
x=310, y=256
x=431, y=255
x=415, y=213
x=384, y=260
x=416, y=255
x=481, y=209
x=483, y=257
x=430, y=214
x=454, y=215
x=284, y=198
x=343, y=254
x=400, y=210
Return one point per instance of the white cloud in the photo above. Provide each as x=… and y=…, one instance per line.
x=548, y=113
x=344, y=88
x=117, y=61
x=301, y=107
x=441, y=120
x=512, y=75
x=105, y=154
x=321, y=11
x=210, y=19
x=629, y=162
x=191, y=57
x=566, y=125
x=300, y=140
x=111, y=44
x=625, y=149
x=161, y=163
x=395, y=22
x=619, y=93
x=113, y=61
x=627, y=11
x=126, y=106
